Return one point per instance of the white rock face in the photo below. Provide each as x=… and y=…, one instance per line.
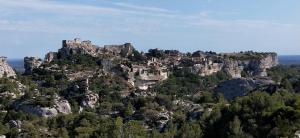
x=16, y=124
x=164, y=117
x=61, y=106
x=90, y=100
x=40, y=111
x=256, y=65
x=236, y=87
x=297, y=134
x=234, y=68
x=5, y=69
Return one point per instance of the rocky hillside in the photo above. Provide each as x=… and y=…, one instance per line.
x=81, y=61
x=143, y=70
x=161, y=92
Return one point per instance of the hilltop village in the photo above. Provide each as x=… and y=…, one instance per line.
x=112, y=81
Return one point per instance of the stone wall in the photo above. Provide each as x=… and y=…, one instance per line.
x=72, y=47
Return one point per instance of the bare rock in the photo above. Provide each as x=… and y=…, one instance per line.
x=31, y=63
x=163, y=118
x=5, y=69
x=61, y=106
x=236, y=87
x=17, y=124
x=234, y=68
x=90, y=100
x=50, y=57
x=297, y=134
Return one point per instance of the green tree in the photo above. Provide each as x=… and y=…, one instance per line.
x=63, y=133
x=190, y=130
x=235, y=128
x=287, y=85
x=129, y=110
x=133, y=129
x=116, y=130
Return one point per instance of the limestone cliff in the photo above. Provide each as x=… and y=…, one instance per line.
x=60, y=106
x=5, y=69
x=254, y=64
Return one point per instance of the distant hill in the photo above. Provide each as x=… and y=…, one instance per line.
x=289, y=59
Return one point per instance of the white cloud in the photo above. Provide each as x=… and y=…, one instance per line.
x=32, y=26
x=143, y=8
x=238, y=25
x=62, y=8
x=67, y=8
x=125, y=17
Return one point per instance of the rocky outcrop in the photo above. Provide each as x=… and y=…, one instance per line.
x=31, y=63
x=50, y=57
x=194, y=110
x=236, y=88
x=61, y=106
x=90, y=100
x=16, y=124
x=152, y=117
x=254, y=64
x=261, y=65
x=233, y=68
x=163, y=118
x=5, y=69
x=297, y=134
x=242, y=86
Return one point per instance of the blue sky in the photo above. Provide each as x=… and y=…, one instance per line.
x=35, y=27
